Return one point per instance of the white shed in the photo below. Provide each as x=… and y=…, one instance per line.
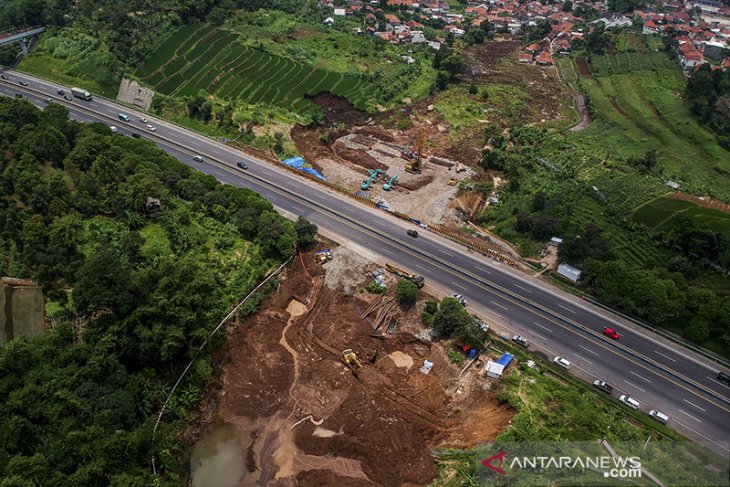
x=493, y=369
x=569, y=271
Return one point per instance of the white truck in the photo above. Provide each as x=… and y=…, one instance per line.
x=82, y=94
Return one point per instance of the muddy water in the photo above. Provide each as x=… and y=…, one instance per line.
x=218, y=459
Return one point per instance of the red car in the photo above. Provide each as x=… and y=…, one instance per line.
x=610, y=332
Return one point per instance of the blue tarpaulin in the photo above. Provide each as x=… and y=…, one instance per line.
x=505, y=359
x=301, y=165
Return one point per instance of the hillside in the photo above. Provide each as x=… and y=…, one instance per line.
x=133, y=289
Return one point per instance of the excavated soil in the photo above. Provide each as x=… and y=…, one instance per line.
x=304, y=419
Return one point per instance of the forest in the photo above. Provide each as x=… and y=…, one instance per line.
x=139, y=257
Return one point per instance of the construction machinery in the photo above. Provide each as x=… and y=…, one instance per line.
x=453, y=181
x=351, y=360
x=374, y=175
x=415, y=156
x=391, y=182
x=414, y=278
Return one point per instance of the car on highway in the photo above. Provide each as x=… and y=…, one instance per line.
x=659, y=416
x=241, y=165
x=136, y=135
x=18, y=95
x=23, y=82
x=143, y=120
x=561, y=362
x=60, y=92
x=460, y=299
x=412, y=233
x=151, y=128
x=68, y=97
x=723, y=377
x=113, y=129
x=197, y=159
x=610, y=332
x=521, y=341
x=124, y=117
x=629, y=401
x=4, y=76
x=603, y=386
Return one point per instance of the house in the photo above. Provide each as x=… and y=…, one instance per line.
x=691, y=59
x=672, y=185
x=569, y=272
x=417, y=37
x=340, y=12
x=392, y=20
x=714, y=50
x=525, y=57
x=725, y=64
x=556, y=241
x=613, y=21
x=562, y=46
x=650, y=27
x=329, y=21
x=533, y=48
x=545, y=59
x=496, y=369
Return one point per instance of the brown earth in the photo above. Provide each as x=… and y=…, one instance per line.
x=304, y=419
x=583, y=67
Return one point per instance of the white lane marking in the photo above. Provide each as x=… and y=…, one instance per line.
x=272, y=197
x=447, y=252
x=583, y=358
x=566, y=308
x=523, y=288
x=419, y=266
x=634, y=385
x=385, y=249
x=458, y=285
x=687, y=414
x=717, y=381
x=665, y=356
x=349, y=210
x=298, y=210
x=484, y=269
x=499, y=305
x=543, y=327
x=588, y=350
x=539, y=336
x=695, y=405
x=639, y=376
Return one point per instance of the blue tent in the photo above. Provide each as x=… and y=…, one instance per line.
x=505, y=359
x=300, y=164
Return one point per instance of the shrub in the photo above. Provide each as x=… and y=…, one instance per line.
x=406, y=292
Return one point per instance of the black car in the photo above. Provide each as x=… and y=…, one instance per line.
x=49, y=100
x=136, y=135
x=412, y=233
x=4, y=76
x=23, y=83
x=241, y=165
x=723, y=377
x=61, y=92
x=18, y=95
x=68, y=97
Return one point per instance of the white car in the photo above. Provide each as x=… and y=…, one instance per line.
x=659, y=416
x=629, y=401
x=151, y=128
x=561, y=362
x=143, y=120
x=460, y=298
x=113, y=129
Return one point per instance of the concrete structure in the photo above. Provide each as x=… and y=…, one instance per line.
x=569, y=272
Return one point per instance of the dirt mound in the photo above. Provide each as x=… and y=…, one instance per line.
x=304, y=419
x=338, y=110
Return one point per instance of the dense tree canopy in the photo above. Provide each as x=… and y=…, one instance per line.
x=134, y=292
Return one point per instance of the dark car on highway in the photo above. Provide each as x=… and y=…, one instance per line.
x=4, y=76
x=241, y=165
x=18, y=95
x=68, y=97
x=723, y=377
x=23, y=83
x=412, y=233
x=136, y=135
x=61, y=92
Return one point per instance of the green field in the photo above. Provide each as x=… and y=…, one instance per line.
x=659, y=213
x=643, y=111
x=201, y=58
x=629, y=62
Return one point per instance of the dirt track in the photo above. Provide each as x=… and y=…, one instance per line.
x=303, y=418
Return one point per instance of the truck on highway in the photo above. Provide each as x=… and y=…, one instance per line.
x=414, y=278
x=79, y=93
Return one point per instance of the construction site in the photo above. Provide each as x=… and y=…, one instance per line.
x=327, y=383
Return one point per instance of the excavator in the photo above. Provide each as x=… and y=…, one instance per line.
x=374, y=175
x=415, y=165
x=390, y=183
x=352, y=361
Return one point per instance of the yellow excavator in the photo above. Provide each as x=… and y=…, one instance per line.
x=352, y=361
x=415, y=165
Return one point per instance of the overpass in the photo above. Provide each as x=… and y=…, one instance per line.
x=20, y=36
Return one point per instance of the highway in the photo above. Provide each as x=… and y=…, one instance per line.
x=659, y=374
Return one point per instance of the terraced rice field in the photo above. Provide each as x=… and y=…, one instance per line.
x=628, y=62
x=200, y=57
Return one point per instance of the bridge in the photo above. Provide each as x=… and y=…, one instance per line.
x=20, y=36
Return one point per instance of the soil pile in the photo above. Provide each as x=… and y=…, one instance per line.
x=303, y=417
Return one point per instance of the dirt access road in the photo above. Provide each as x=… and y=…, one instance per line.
x=304, y=419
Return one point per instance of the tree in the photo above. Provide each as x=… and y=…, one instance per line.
x=450, y=317
x=567, y=6
x=306, y=231
x=103, y=283
x=538, y=201
x=406, y=292
x=276, y=234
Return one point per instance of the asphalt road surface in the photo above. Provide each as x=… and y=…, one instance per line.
x=659, y=374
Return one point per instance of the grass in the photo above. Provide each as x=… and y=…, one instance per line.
x=47, y=66
x=659, y=213
x=628, y=62
x=643, y=111
x=213, y=61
